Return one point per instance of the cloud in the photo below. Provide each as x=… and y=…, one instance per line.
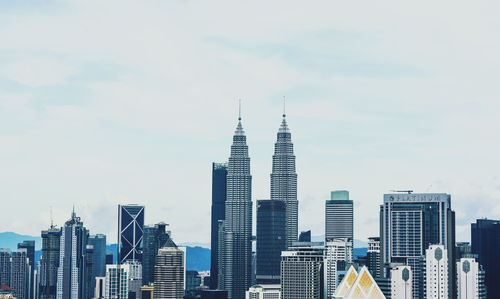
x=131, y=102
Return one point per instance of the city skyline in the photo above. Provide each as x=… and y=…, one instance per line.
x=92, y=123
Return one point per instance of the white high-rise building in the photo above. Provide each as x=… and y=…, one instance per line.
x=264, y=291
x=301, y=270
x=284, y=180
x=401, y=282
x=436, y=269
x=470, y=279
x=117, y=279
x=337, y=252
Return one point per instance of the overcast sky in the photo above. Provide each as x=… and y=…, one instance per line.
x=108, y=102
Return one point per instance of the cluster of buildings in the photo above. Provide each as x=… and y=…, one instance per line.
x=414, y=256
x=74, y=264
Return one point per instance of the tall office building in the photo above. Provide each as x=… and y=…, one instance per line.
x=98, y=243
x=130, y=225
x=30, y=252
x=49, y=263
x=219, y=194
x=470, y=279
x=401, y=282
x=238, y=219
x=169, y=274
x=338, y=254
x=155, y=237
x=20, y=274
x=134, y=270
x=485, y=237
x=4, y=266
x=271, y=240
x=117, y=280
x=339, y=216
x=436, y=269
x=410, y=223
x=284, y=179
x=302, y=273
x=72, y=273
x=373, y=256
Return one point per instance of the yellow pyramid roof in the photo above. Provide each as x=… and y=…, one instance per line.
x=364, y=286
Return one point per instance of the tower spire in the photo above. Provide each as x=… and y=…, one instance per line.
x=239, y=110
x=51, y=218
x=284, y=106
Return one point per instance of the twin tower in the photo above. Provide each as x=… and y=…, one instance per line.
x=231, y=264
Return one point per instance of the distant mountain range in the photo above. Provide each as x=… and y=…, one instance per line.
x=197, y=257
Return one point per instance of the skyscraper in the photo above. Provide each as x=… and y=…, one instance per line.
x=98, y=257
x=373, y=256
x=117, y=279
x=130, y=226
x=72, y=273
x=302, y=273
x=30, y=252
x=436, y=259
x=219, y=194
x=485, y=237
x=338, y=254
x=284, y=179
x=470, y=279
x=410, y=223
x=401, y=282
x=169, y=274
x=155, y=237
x=20, y=274
x=339, y=216
x=271, y=240
x=49, y=263
x=238, y=223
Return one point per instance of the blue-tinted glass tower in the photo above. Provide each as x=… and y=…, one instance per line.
x=271, y=240
x=98, y=257
x=219, y=181
x=130, y=232
x=485, y=236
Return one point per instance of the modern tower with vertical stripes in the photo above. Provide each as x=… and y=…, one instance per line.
x=284, y=179
x=238, y=219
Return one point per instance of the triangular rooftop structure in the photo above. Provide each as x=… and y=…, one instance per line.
x=346, y=283
x=363, y=287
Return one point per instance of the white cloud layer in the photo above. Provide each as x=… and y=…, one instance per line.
x=129, y=102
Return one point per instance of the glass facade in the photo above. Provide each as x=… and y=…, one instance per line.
x=485, y=236
x=98, y=257
x=219, y=177
x=130, y=226
x=271, y=240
